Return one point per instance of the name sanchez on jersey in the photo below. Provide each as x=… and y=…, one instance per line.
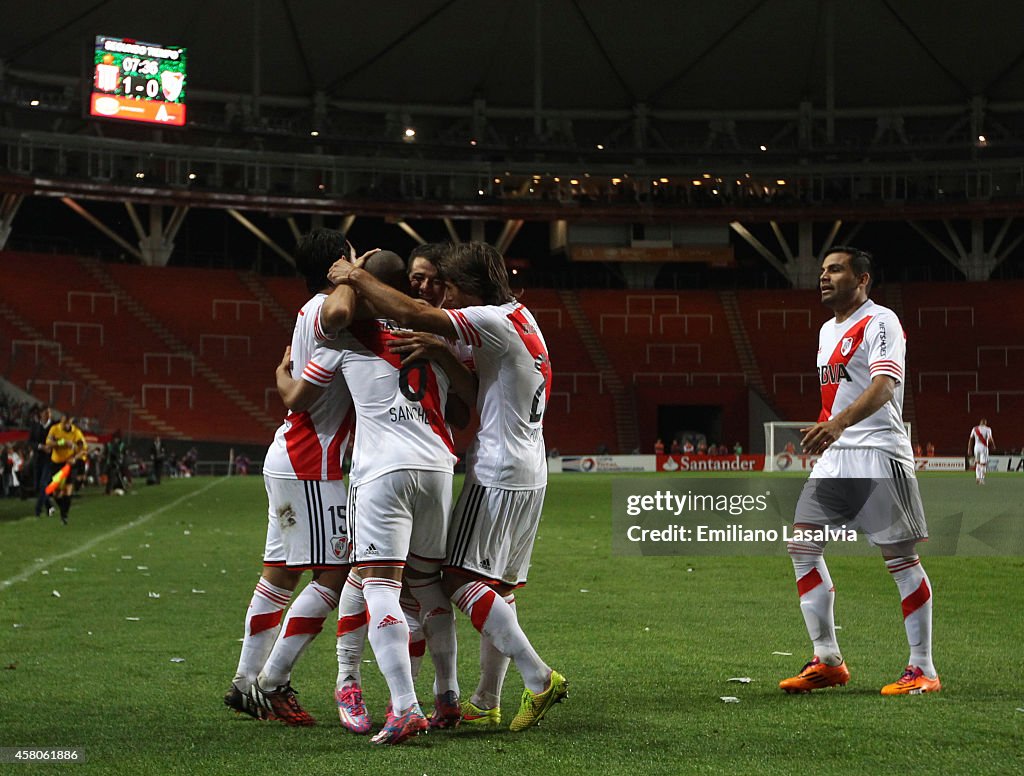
x=411, y=412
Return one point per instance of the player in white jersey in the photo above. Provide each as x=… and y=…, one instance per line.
x=495, y=521
x=307, y=526
x=982, y=442
x=399, y=501
x=864, y=478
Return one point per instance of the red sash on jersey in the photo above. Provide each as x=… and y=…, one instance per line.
x=534, y=346
x=980, y=436
x=829, y=390
x=374, y=335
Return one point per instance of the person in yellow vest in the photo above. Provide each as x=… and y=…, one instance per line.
x=66, y=445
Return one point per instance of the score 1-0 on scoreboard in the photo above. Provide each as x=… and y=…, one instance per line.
x=136, y=81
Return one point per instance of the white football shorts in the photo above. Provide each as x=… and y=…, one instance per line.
x=981, y=454
x=399, y=514
x=307, y=524
x=864, y=489
x=493, y=531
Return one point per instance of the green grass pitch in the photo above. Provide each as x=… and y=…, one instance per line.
x=648, y=645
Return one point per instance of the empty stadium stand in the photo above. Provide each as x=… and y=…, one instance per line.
x=190, y=353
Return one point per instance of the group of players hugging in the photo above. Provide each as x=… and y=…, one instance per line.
x=395, y=355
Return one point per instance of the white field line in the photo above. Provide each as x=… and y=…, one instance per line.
x=42, y=564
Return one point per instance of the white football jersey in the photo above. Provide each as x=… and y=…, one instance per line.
x=399, y=409
x=869, y=343
x=311, y=445
x=982, y=436
x=514, y=370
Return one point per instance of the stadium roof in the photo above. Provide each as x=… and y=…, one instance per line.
x=869, y=110
x=592, y=54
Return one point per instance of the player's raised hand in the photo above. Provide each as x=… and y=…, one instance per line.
x=417, y=344
x=341, y=269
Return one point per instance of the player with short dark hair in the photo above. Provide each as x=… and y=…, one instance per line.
x=307, y=524
x=424, y=279
x=864, y=478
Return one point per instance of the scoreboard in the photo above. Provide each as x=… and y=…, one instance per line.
x=136, y=81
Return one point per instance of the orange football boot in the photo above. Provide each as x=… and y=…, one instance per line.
x=815, y=676
x=913, y=682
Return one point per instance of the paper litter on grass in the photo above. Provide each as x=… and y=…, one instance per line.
x=786, y=654
x=177, y=660
x=133, y=619
x=740, y=679
x=153, y=595
x=56, y=594
x=729, y=699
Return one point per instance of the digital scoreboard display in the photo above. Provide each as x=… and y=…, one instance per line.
x=136, y=81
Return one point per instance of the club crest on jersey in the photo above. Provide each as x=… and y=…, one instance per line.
x=831, y=374
x=847, y=346
x=339, y=546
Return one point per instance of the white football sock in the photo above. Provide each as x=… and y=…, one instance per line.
x=439, y=629
x=389, y=637
x=916, y=591
x=352, y=618
x=496, y=620
x=817, y=599
x=262, y=624
x=304, y=622
x=493, y=667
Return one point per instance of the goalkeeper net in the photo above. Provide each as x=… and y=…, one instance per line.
x=782, y=444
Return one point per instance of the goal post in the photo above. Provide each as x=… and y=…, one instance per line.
x=783, y=436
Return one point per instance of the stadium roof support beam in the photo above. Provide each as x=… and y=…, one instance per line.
x=262, y=236
x=760, y=247
x=401, y=224
x=102, y=227
x=157, y=245
x=8, y=210
x=508, y=234
x=450, y=226
x=801, y=268
x=978, y=262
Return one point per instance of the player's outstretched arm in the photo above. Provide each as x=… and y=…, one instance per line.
x=297, y=395
x=338, y=310
x=390, y=302
x=821, y=435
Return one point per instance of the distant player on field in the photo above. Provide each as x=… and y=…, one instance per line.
x=982, y=442
x=495, y=521
x=307, y=526
x=66, y=444
x=865, y=476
